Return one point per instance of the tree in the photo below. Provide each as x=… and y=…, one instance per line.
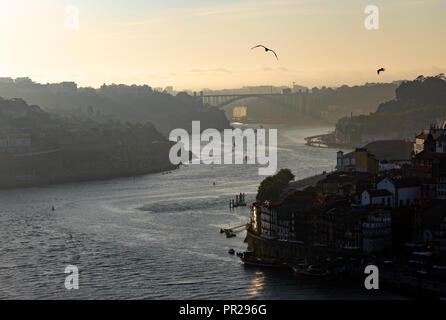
x=271, y=187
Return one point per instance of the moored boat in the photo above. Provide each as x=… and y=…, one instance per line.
x=249, y=259
x=311, y=270
x=229, y=233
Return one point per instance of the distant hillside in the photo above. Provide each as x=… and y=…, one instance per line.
x=259, y=110
x=417, y=105
x=332, y=104
x=389, y=150
x=321, y=105
x=38, y=148
x=138, y=104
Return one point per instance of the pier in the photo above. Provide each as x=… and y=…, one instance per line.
x=238, y=202
x=232, y=231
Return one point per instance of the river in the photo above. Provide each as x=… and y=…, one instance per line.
x=153, y=236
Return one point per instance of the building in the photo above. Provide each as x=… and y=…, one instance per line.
x=391, y=154
x=264, y=220
x=169, y=90
x=336, y=182
x=239, y=112
x=345, y=162
x=432, y=140
x=365, y=161
x=338, y=228
x=377, y=197
x=431, y=166
x=288, y=218
x=405, y=191
x=440, y=236
x=377, y=232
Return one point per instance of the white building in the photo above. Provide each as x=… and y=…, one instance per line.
x=345, y=162
x=405, y=191
x=383, y=197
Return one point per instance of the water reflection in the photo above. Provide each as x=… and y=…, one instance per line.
x=257, y=284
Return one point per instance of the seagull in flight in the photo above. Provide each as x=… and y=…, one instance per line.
x=266, y=50
x=380, y=70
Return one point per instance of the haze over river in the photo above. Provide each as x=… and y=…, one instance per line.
x=153, y=236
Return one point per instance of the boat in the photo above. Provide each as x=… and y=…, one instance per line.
x=298, y=269
x=231, y=251
x=229, y=233
x=249, y=259
x=311, y=270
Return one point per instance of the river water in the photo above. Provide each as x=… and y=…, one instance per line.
x=153, y=236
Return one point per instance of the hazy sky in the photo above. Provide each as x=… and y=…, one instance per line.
x=206, y=44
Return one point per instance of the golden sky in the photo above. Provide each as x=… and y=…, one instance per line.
x=206, y=44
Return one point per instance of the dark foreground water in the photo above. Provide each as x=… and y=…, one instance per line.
x=152, y=237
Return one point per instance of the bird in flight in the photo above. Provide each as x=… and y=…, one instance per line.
x=266, y=50
x=380, y=70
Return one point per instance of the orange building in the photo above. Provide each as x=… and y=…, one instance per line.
x=365, y=161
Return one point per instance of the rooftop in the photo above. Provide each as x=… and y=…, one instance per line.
x=379, y=193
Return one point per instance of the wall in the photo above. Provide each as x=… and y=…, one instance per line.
x=410, y=193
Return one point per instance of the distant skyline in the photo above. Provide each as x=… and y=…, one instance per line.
x=206, y=44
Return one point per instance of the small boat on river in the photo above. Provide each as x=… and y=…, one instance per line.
x=311, y=270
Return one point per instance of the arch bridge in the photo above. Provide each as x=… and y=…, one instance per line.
x=295, y=101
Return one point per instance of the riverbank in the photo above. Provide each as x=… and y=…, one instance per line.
x=99, y=177
x=283, y=253
x=327, y=140
x=78, y=165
